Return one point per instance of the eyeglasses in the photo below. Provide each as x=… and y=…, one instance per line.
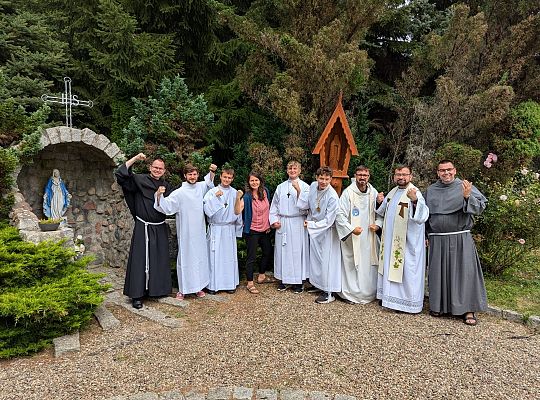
x=446, y=169
x=401, y=174
x=366, y=175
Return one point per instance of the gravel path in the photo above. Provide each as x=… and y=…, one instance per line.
x=281, y=340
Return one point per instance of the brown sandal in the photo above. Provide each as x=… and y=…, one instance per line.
x=266, y=279
x=252, y=289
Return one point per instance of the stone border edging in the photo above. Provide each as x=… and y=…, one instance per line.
x=532, y=321
x=236, y=393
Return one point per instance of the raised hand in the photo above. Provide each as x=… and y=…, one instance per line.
x=160, y=190
x=219, y=193
x=380, y=197
x=213, y=168
x=134, y=159
x=295, y=185
x=467, y=188
x=239, y=194
x=411, y=194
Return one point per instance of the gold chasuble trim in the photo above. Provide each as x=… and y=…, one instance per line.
x=399, y=237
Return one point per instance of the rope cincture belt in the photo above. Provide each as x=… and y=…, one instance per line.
x=284, y=234
x=448, y=233
x=146, y=240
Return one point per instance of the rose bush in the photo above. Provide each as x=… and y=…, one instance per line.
x=507, y=232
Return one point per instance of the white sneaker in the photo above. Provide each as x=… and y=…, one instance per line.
x=325, y=299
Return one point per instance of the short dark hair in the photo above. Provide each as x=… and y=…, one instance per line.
x=361, y=168
x=324, y=170
x=190, y=168
x=228, y=170
x=399, y=167
x=446, y=161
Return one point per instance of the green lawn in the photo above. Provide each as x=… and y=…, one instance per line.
x=518, y=290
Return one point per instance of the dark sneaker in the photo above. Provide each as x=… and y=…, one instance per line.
x=137, y=303
x=324, y=299
x=212, y=292
x=312, y=289
x=298, y=289
x=232, y=291
x=282, y=287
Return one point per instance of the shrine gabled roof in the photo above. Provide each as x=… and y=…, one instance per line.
x=339, y=112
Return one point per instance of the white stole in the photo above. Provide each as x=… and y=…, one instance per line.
x=399, y=237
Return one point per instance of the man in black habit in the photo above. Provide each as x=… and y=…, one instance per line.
x=148, y=271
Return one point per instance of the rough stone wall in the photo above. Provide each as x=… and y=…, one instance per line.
x=173, y=238
x=98, y=211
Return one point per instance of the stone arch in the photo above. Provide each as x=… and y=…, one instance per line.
x=86, y=161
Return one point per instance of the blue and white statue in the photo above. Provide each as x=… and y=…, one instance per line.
x=56, y=198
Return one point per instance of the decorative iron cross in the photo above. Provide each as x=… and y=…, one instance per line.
x=68, y=100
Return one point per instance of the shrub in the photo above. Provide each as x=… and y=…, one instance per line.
x=467, y=159
x=169, y=125
x=44, y=293
x=507, y=232
x=8, y=164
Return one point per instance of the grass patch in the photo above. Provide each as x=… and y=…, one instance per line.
x=516, y=289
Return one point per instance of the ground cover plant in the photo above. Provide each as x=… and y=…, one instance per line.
x=44, y=293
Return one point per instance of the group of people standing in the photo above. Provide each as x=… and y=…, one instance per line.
x=360, y=246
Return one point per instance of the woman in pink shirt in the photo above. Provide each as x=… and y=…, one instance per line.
x=255, y=207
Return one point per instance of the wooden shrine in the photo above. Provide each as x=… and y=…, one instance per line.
x=336, y=146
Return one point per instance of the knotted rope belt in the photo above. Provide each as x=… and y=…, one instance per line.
x=146, y=240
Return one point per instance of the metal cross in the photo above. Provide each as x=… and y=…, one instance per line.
x=68, y=100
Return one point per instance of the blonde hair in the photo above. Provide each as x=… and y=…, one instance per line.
x=294, y=163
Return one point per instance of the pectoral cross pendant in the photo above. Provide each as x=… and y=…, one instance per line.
x=226, y=204
x=318, y=209
x=288, y=195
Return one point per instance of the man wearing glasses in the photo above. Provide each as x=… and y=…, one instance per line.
x=456, y=283
x=400, y=284
x=357, y=224
x=148, y=272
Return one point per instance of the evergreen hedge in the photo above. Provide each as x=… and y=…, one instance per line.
x=44, y=293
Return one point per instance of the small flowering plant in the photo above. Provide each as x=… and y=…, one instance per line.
x=507, y=232
x=490, y=160
x=79, y=246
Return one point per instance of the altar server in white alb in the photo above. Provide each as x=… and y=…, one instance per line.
x=357, y=225
x=324, y=246
x=224, y=227
x=187, y=203
x=400, y=284
x=288, y=212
